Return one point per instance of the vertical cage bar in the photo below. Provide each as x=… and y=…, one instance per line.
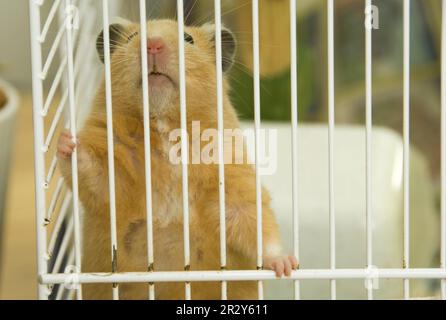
x=221, y=139
x=73, y=129
x=331, y=127
x=369, y=126
x=257, y=115
x=443, y=148
x=184, y=141
x=295, y=123
x=110, y=143
x=148, y=157
x=39, y=159
x=406, y=129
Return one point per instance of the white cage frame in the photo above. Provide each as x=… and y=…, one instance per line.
x=79, y=80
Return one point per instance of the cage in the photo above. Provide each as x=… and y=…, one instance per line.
x=352, y=233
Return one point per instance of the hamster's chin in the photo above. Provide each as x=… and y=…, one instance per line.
x=160, y=81
x=162, y=93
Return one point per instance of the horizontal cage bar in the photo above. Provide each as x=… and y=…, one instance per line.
x=254, y=275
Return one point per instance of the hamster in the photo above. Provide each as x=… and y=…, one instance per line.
x=91, y=149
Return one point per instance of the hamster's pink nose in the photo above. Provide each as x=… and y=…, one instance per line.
x=155, y=45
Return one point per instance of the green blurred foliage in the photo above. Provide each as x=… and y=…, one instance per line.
x=275, y=92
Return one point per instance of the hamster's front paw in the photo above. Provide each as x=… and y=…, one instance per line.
x=281, y=265
x=65, y=145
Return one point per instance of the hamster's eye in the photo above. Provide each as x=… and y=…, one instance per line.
x=188, y=38
x=130, y=37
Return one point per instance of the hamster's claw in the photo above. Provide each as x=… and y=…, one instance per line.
x=281, y=265
x=65, y=145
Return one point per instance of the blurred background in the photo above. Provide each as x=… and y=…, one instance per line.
x=17, y=229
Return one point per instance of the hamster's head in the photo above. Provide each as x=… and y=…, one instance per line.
x=163, y=63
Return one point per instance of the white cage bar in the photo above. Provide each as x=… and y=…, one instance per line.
x=406, y=138
x=184, y=141
x=49, y=20
x=331, y=132
x=73, y=128
x=221, y=143
x=39, y=160
x=443, y=148
x=148, y=167
x=62, y=242
x=294, y=120
x=246, y=275
x=110, y=142
x=369, y=125
x=257, y=125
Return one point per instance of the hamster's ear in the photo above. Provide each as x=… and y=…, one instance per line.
x=229, y=48
x=117, y=32
x=229, y=45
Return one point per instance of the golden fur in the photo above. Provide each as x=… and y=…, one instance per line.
x=166, y=179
